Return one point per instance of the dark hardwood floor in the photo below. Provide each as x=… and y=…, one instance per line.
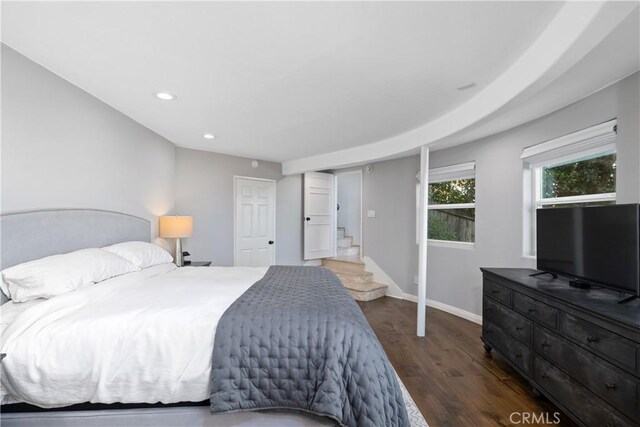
x=452, y=379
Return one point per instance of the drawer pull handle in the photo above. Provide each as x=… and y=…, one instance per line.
x=495, y=291
x=519, y=356
x=545, y=344
x=531, y=310
x=544, y=376
x=592, y=339
x=611, y=386
x=518, y=328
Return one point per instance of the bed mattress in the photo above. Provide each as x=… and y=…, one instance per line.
x=143, y=337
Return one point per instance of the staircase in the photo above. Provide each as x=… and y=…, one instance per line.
x=350, y=270
x=345, y=245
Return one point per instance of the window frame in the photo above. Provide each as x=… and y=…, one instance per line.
x=584, y=198
x=452, y=173
x=596, y=141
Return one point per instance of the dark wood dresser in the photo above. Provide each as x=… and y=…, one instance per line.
x=578, y=347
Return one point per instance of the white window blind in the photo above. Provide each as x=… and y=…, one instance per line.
x=448, y=173
x=594, y=140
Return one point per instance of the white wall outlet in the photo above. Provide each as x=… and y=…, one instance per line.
x=371, y=214
x=416, y=279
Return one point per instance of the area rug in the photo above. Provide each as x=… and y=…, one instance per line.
x=415, y=416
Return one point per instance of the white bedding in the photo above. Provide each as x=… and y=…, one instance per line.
x=144, y=337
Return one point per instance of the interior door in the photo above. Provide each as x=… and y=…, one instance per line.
x=254, y=222
x=319, y=215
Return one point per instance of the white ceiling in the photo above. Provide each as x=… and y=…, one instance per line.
x=278, y=81
x=585, y=47
x=613, y=59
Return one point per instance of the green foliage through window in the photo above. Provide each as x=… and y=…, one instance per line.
x=451, y=192
x=589, y=176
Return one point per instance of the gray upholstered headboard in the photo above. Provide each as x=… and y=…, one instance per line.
x=29, y=235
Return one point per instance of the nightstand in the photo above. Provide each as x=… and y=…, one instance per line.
x=199, y=264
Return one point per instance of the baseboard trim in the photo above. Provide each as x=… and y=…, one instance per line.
x=447, y=308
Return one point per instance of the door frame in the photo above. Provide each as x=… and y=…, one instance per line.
x=235, y=222
x=359, y=172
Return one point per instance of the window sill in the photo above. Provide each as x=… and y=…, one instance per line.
x=451, y=244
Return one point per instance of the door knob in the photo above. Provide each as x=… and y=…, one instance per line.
x=307, y=219
x=271, y=242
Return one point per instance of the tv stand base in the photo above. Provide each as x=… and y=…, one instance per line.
x=555, y=276
x=629, y=299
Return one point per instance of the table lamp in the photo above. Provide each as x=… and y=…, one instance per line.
x=176, y=227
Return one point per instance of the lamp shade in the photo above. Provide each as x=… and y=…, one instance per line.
x=176, y=226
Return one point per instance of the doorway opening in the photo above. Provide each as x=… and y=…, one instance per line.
x=349, y=219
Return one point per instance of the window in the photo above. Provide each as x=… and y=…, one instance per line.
x=578, y=169
x=584, y=181
x=452, y=203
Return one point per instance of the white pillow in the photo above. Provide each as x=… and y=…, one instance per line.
x=141, y=254
x=58, y=274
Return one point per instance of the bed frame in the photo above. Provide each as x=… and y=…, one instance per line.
x=29, y=235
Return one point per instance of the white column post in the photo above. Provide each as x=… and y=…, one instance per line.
x=422, y=252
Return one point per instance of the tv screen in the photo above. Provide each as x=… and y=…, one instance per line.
x=597, y=244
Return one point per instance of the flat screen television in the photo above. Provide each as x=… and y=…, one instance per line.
x=599, y=245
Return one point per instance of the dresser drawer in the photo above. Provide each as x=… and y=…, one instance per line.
x=517, y=353
x=601, y=341
x=497, y=292
x=536, y=310
x=574, y=397
x=507, y=319
x=611, y=385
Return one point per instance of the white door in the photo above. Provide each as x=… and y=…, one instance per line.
x=319, y=215
x=254, y=222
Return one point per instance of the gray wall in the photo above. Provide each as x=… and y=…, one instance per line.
x=289, y=224
x=349, y=215
x=204, y=190
x=389, y=239
x=62, y=147
x=454, y=277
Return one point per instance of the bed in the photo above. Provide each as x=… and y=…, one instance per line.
x=168, y=346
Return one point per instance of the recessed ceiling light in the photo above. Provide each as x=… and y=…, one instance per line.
x=208, y=136
x=165, y=96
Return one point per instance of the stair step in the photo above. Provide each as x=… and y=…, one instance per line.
x=360, y=277
x=341, y=232
x=349, y=251
x=345, y=242
x=346, y=259
x=367, y=292
x=351, y=264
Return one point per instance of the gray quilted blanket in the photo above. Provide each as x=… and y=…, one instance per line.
x=297, y=340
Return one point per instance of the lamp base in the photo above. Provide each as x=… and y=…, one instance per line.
x=179, y=260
